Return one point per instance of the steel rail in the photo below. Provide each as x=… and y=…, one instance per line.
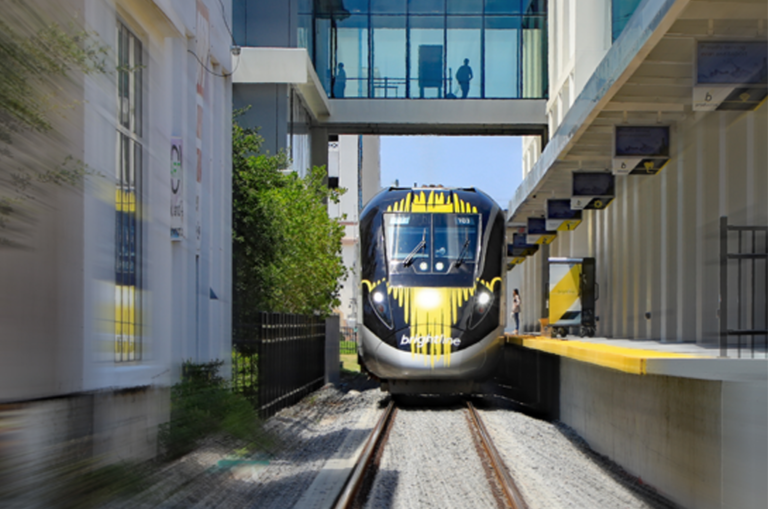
x=352, y=487
x=506, y=482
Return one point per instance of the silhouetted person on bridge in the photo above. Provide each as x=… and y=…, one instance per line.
x=463, y=75
x=341, y=81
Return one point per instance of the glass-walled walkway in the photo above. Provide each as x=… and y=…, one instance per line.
x=422, y=49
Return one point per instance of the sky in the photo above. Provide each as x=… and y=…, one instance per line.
x=492, y=164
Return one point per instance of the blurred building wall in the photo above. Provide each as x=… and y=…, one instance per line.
x=60, y=301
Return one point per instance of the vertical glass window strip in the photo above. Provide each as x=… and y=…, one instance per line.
x=128, y=247
x=534, y=56
x=426, y=6
x=502, y=6
x=351, y=73
x=621, y=11
x=465, y=6
x=464, y=35
x=502, y=63
x=388, y=6
x=427, y=72
x=388, y=56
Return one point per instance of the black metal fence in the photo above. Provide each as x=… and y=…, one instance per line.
x=348, y=345
x=278, y=360
x=748, y=308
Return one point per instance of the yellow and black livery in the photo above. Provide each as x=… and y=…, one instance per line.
x=432, y=292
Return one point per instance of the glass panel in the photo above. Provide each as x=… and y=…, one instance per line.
x=426, y=6
x=463, y=36
x=356, y=6
x=502, y=6
x=304, y=33
x=621, y=11
x=388, y=6
x=534, y=69
x=464, y=7
x=408, y=237
x=323, y=53
x=532, y=7
x=502, y=62
x=351, y=76
x=388, y=56
x=305, y=6
x=455, y=239
x=138, y=79
x=427, y=70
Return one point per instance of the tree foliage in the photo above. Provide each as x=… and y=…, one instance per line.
x=39, y=61
x=287, y=251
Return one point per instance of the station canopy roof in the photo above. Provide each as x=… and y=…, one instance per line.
x=646, y=78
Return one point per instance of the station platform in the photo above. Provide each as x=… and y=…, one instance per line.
x=689, y=423
x=644, y=357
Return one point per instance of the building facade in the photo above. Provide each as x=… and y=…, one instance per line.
x=663, y=100
x=127, y=274
x=355, y=162
x=657, y=244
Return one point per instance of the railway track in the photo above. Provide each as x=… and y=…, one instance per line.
x=355, y=492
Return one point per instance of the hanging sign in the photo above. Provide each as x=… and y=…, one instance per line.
x=730, y=75
x=538, y=233
x=177, y=191
x=592, y=191
x=561, y=217
x=640, y=150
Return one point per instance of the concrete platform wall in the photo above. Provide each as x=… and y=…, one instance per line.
x=701, y=443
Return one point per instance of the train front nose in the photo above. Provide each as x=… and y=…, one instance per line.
x=411, y=355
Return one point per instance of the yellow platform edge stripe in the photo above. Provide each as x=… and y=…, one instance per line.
x=628, y=360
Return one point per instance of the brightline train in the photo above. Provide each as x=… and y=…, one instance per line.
x=433, y=299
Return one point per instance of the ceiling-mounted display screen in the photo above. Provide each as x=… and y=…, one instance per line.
x=561, y=216
x=731, y=62
x=561, y=209
x=593, y=184
x=538, y=233
x=642, y=141
x=592, y=191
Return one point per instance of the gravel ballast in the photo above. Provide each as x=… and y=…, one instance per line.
x=554, y=468
x=305, y=435
x=430, y=461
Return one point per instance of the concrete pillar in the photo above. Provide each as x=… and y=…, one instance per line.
x=332, y=358
x=318, y=146
x=544, y=272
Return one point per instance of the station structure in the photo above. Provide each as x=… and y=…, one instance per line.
x=638, y=99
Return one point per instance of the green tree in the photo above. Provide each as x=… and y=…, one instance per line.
x=39, y=62
x=287, y=251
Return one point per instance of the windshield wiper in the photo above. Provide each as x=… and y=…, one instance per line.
x=421, y=245
x=460, y=259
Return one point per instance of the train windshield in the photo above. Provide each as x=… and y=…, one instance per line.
x=432, y=244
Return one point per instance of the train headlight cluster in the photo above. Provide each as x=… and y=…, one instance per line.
x=380, y=303
x=483, y=302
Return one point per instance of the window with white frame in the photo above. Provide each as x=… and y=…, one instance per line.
x=128, y=181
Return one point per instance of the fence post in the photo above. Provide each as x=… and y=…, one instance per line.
x=723, y=311
x=332, y=340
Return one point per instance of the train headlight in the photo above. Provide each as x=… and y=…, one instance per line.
x=428, y=298
x=483, y=302
x=379, y=301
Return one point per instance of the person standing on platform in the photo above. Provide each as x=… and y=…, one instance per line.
x=463, y=76
x=516, y=303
